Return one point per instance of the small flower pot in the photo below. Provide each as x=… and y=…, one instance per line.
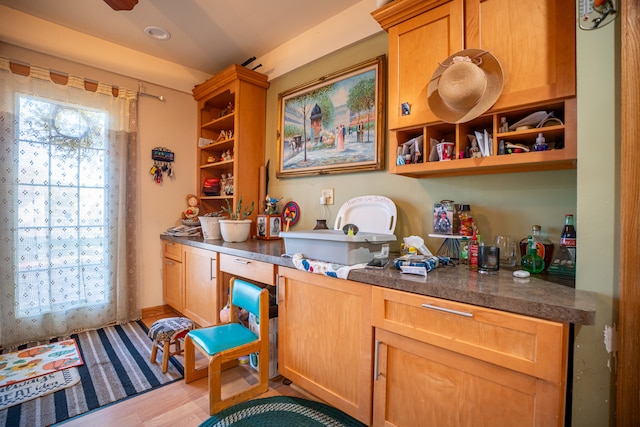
x=235, y=231
x=210, y=227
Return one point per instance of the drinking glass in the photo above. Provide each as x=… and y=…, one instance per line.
x=508, y=254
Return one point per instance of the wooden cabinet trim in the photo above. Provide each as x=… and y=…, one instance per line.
x=397, y=12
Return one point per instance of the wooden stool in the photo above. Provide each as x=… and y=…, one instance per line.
x=166, y=332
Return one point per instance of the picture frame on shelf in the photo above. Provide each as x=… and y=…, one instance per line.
x=334, y=124
x=268, y=227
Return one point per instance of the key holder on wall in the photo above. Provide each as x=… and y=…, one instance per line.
x=595, y=14
x=162, y=163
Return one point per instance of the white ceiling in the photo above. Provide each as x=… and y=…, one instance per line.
x=206, y=35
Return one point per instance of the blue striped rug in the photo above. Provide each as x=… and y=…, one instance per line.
x=116, y=367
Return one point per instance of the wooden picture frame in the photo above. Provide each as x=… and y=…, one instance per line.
x=268, y=227
x=343, y=117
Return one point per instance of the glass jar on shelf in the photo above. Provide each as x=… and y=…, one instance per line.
x=465, y=221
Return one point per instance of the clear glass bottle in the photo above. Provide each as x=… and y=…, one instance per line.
x=532, y=262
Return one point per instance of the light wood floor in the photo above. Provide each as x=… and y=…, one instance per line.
x=177, y=404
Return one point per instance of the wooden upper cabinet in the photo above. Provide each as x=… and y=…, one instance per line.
x=415, y=48
x=535, y=42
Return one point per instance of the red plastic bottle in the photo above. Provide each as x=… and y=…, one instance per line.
x=473, y=253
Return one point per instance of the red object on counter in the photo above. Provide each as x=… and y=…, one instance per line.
x=473, y=253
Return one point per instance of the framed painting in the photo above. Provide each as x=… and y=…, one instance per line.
x=333, y=124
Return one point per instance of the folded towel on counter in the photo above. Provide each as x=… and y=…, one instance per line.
x=339, y=271
x=428, y=262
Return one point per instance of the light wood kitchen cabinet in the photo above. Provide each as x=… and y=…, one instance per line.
x=416, y=46
x=535, y=44
x=326, y=339
x=231, y=131
x=261, y=273
x=445, y=363
x=202, y=296
x=172, y=284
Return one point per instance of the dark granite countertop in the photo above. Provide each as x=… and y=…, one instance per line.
x=499, y=290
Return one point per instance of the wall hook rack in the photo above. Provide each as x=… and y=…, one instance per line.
x=162, y=163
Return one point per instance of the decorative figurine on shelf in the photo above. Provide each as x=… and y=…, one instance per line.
x=192, y=207
x=227, y=155
x=475, y=149
x=228, y=185
x=271, y=205
x=227, y=110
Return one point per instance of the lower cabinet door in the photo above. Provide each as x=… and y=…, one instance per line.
x=325, y=339
x=201, y=295
x=420, y=384
x=172, y=287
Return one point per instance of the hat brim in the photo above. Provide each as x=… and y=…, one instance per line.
x=495, y=82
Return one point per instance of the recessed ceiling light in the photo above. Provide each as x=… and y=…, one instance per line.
x=157, y=33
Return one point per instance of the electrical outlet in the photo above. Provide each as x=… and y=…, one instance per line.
x=327, y=193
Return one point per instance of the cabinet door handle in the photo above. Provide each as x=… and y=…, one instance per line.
x=212, y=268
x=240, y=261
x=448, y=310
x=169, y=262
x=376, y=362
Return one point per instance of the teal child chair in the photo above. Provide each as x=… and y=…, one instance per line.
x=227, y=342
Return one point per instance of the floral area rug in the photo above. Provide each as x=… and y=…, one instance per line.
x=24, y=391
x=22, y=365
x=37, y=371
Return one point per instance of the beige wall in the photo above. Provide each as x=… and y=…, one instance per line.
x=508, y=203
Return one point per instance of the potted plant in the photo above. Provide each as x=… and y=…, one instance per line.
x=237, y=227
x=210, y=224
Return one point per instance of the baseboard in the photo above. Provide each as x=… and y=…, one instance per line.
x=159, y=310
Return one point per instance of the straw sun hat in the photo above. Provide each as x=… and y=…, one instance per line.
x=465, y=85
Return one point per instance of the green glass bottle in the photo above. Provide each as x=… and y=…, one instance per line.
x=532, y=262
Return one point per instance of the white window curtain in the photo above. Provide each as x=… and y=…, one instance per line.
x=67, y=206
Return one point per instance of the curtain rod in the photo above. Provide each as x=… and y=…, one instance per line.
x=143, y=93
